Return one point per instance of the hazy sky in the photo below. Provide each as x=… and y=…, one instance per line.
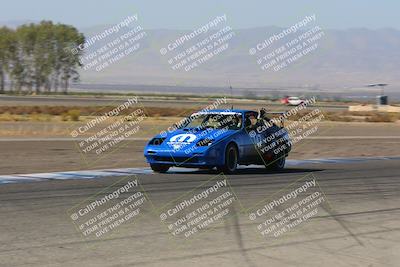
x=180, y=14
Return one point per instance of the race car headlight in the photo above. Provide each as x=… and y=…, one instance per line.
x=156, y=141
x=205, y=142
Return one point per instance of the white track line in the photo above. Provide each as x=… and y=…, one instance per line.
x=84, y=174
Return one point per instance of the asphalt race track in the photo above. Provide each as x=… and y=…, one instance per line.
x=361, y=227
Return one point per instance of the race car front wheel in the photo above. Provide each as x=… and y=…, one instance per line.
x=159, y=168
x=231, y=160
x=278, y=163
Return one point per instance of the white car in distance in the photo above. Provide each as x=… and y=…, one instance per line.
x=294, y=101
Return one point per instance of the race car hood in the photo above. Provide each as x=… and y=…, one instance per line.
x=181, y=139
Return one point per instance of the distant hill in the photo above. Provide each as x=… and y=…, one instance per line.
x=343, y=59
x=15, y=23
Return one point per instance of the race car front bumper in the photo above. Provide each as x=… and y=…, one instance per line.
x=209, y=157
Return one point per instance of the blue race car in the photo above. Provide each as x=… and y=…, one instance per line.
x=220, y=139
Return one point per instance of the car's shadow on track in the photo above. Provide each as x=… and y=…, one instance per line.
x=249, y=171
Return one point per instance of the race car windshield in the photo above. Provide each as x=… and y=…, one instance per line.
x=215, y=121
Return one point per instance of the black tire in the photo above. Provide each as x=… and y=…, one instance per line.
x=159, y=168
x=278, y=163
x=231, y=160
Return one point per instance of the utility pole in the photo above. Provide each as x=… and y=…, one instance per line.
x=231, y=89
x=381, y=97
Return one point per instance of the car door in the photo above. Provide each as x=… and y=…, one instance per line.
x=250, y=137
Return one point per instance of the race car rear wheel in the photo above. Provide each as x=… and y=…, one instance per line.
x=159, y=168
x=231, y=160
